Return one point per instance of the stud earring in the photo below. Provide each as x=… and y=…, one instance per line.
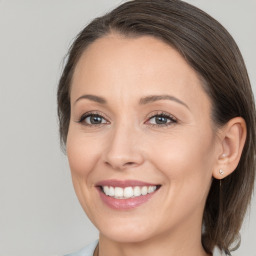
x=221, y=172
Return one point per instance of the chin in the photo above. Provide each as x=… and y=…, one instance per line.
x=126, y=233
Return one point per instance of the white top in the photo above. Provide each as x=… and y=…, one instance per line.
x=89, y=250
x=86, y=251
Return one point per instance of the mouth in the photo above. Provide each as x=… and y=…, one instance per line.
x=126, y=194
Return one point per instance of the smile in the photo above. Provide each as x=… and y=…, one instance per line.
x=127, y=192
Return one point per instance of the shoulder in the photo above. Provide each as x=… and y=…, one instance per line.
x=89, y=250
x=217, y=252
x=86, y=251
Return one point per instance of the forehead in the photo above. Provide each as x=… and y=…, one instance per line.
x=117, y=65
x=126, y=54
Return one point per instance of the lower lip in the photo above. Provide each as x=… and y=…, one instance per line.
x=125, y=204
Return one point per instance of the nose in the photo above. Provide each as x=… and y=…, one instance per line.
x=123, y=149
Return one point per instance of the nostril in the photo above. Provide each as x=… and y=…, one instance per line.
x=120, y=165
x=130, y=163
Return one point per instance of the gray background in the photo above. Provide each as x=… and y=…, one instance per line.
x=39, y=212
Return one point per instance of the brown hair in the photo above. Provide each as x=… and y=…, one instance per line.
x=214, y=55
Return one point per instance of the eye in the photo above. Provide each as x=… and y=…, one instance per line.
x=161, y=119
x=92, y=119
x=95, y=119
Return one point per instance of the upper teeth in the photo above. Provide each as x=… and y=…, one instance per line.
x=128, y=192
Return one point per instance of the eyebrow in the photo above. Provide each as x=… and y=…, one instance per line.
x=143, y=101
x=92, y=98
x=153, y=98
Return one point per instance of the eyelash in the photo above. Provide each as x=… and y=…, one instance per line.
x=162, y=114
x=91, y=114
x=172, y=120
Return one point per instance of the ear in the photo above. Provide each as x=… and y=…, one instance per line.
x=232, y=139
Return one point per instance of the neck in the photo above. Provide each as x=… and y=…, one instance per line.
x=176, y=243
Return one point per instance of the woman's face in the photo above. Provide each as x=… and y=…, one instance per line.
x=140, y=130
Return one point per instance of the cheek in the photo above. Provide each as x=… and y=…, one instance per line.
x=83, y=154
x=184, y=159
x=186, y=164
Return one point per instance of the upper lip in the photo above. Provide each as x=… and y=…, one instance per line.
x=123, y=183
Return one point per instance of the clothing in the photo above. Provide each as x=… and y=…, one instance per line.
x=86, y=251
x=89, y=250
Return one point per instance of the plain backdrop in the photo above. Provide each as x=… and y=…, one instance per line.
x=39, y=212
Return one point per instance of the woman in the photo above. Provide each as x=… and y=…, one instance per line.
x=158, y=120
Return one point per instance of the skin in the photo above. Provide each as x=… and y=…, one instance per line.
x=181, y=156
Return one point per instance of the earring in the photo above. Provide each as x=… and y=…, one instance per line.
x=223, y=155
x=221, y=172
